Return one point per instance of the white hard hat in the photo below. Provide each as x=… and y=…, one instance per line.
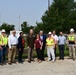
x=71, y=30
x=49, y=33
x=3, y=30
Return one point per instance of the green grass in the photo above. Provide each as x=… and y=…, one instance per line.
x=25, y=55
x=45, y=53
x=66, y=52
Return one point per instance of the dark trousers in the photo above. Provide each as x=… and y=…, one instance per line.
x=1, y=53
x=38, y=51
x=20, y=53
x=42, y=53
x=55, y=50
x=61, y=51
x=4, y=53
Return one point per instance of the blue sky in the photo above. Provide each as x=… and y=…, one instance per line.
x=30, y=11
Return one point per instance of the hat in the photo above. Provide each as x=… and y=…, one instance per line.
x=3, y=30
x=49, y=33
x=71, y=30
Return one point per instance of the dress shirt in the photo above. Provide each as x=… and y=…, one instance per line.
x=55, y=37
x=12, y=40
x=41, y=37
x=62, y=40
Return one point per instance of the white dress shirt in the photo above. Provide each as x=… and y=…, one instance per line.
x=12, y=40
x=55, y=37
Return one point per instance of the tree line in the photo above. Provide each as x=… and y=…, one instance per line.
x=61, y=16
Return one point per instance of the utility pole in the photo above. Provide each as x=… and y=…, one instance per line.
x=0, y=19
x=19, y=23
x=48, y=4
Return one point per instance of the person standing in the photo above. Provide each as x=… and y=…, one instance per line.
x=56, y=40
x=1, y=51
x=30, y=44
x=72, y=44
x=43, y=38
x=38, y=46
x=12, y=44
x=21, y=45
x=50, y=44
x=61, y=43
x=4, y=44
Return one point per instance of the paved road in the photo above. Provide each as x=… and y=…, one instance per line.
x=60, y=67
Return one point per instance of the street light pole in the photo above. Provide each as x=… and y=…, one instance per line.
x=19, y=23
x=48, y=4
x=0, y=19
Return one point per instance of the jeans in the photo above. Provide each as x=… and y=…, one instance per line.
x=1, y=53
x=4, y=49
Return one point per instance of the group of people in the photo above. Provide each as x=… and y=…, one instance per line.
x=39, y=42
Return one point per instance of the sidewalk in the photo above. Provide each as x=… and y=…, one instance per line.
x=60, y=67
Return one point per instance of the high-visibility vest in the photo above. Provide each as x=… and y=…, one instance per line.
x=50, y=41
x=1, y=41
x=71, y=38
x=5, y=40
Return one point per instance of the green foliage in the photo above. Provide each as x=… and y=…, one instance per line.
x=7, y=27
x=25, y=27
x=61, y=16
x=40, y=26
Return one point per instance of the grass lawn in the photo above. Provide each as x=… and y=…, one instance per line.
x=45, y=53
x=25, y=55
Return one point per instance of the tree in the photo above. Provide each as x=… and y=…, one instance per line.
x=7, y=27
x=25, y=27
x=61, y=16
x=38, y=27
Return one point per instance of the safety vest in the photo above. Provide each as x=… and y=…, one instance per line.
x=5, y=40
x=71, y=38
x=1, y=41
x=50, y=42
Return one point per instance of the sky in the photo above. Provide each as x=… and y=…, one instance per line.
x=28, y=10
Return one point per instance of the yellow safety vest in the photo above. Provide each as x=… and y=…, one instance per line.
x=71, y=38
x=1, y=41
x=5, y=40
x=50, y=42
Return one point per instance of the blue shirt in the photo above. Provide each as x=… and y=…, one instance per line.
x=61, y=40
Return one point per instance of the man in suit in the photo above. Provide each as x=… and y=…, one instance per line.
x=43, y=38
